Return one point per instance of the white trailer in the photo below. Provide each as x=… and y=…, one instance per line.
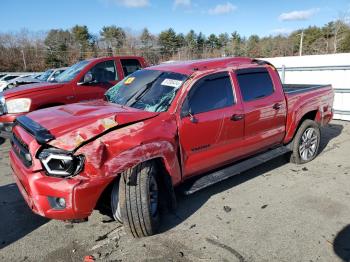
x=319, y=69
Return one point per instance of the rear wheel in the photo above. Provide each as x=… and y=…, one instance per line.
x=306, y=142
x=139, y=199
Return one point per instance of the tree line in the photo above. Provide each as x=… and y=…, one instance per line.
x=27, y=51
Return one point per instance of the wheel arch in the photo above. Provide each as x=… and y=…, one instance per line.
x=311, y=115
x=165, y=180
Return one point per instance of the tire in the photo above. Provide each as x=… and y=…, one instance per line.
x=306, y=142
x=139, y=199
x=115, y=206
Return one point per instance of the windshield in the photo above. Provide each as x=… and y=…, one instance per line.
x=71, y=72
x=45, y=75
x=148, y=90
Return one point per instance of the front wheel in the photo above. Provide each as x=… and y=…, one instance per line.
x=306, y=142
x=139, y=199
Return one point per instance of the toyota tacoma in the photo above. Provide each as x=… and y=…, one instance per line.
x=190, y=123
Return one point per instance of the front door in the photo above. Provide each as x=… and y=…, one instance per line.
x=104, y=76
x=207, y=112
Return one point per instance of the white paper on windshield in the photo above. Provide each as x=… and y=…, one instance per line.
x=171, y=82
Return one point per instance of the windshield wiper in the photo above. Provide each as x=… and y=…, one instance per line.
x=133, y=99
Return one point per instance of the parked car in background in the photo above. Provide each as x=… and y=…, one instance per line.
x=8, y=78
x=51, y=74
x=198, y=121
x=47, y=76
x=86, y=80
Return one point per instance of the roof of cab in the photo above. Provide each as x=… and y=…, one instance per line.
x=188, y=67
x=114, y=57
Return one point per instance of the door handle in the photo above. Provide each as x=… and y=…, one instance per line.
x=277, y=106
x=70, y=97
x=237, y=117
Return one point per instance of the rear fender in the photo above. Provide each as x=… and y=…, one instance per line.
x=296, y=120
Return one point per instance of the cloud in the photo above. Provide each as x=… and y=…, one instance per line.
x=183, y=3
x=222, y=9
x=298, y=15
x=129, y=3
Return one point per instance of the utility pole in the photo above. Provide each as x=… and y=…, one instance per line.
x=301, y=43
x=24, y=60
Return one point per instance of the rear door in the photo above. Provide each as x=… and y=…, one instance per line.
x=264, y=108
x=206, y=112
x=104, y=76
x=130, y=65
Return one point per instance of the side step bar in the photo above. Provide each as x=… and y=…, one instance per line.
x=235, y=169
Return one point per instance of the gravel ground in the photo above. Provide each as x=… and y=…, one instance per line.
x=275, y=212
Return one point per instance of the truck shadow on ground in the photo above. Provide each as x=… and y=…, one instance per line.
x=327, y=134
x=17, y=220
x=188, y=205
x=341, y=244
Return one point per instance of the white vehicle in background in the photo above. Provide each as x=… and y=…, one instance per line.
x=4, y=81
x=50, y=74
x=47, y=76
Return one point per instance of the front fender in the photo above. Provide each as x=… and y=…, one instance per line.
x=163, y=150
x=101, y=163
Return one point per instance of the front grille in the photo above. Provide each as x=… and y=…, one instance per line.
x=22, y=151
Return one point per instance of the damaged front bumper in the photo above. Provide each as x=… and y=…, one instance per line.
x=57, y=198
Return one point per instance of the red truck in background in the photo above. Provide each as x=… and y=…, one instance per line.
x=86, y=80
x=198, y=122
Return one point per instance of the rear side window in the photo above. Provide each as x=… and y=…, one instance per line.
x=130, y=66
x=254, y=83
x=210, y=93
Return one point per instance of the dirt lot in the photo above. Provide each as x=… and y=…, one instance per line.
x=276, y=212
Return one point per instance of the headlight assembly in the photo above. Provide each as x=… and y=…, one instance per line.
x=61, y=163
x=19, y=105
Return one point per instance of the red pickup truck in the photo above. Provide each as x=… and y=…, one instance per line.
x=86, y=80
x=198, y=122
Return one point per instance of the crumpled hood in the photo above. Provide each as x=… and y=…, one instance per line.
x=73, y=124
x=26, y=89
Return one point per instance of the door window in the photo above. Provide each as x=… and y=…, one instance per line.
x=130, y=66
x=104, y=72
x=210, y=93
x=254, y=83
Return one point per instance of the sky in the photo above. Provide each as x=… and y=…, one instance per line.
x=261, y=17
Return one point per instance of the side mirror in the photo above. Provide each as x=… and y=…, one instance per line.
x=193, y=119
x=87, y=79
x=51, y=79
x=187, y=112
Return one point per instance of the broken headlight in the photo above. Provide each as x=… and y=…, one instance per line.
x=61, y=163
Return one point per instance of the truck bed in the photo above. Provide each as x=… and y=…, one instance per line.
x=301, y=88
x=303, y=99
